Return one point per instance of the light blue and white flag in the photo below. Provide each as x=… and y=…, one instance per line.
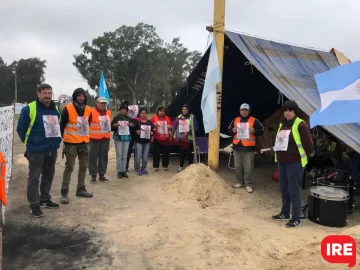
x=103, y=91
x=208, y=99
x=339, y=90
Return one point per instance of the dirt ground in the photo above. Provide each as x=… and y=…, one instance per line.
x=141, y=223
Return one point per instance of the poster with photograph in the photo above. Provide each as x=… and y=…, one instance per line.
x=51, y=126
x=282, y=140
x=184, y=125
x=145, y=132
x=162, y=127
x=83, y=125
x=243, y=131
x=105, y=123
x=123, y=128
x=133, y=111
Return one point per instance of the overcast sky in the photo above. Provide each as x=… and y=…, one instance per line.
x=54, y=30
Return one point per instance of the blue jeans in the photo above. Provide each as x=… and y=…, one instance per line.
x=121, y=155
x=290, y=175
x=141, y=152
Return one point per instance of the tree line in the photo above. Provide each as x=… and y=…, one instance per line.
x=29, y=72
x=138, y=65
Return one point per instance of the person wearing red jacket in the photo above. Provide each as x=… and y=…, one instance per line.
x=162, y=139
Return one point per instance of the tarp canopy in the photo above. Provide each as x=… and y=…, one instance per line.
x=258, y=72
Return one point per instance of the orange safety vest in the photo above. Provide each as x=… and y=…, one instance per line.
x=245, y=142
x=95, y=128
x=2, y=179
x=72, y=134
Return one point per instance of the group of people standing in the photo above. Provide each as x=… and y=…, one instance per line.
x=86, y=134
x=292, y=149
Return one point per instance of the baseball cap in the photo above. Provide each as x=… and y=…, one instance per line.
x=101, y=99
x=245, y=106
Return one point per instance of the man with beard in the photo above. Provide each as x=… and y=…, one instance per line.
x=41, y=147
x=74, y=127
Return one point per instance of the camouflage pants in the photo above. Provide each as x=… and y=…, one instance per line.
x=72, y=151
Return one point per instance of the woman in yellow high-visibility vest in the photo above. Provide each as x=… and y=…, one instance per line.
x=292, y=148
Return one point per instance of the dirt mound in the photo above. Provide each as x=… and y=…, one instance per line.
x=200, y=183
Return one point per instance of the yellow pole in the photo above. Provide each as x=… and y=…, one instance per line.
x=214, y=136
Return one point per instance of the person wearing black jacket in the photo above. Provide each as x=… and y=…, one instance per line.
x=144, y=133
x=244, y=130
x=122, y=141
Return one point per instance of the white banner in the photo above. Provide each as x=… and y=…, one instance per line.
x=6, y=139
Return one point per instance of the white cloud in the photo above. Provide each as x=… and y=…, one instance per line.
x=54, y=30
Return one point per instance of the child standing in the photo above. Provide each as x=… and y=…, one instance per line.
x=121, y=125
x=143, y=136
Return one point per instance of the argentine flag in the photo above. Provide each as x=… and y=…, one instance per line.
x=103, y=91
x=208, y=99
x=339, y=90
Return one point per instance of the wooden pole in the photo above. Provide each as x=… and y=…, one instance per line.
x=13, y=138
x=194, y=140
x=219, y=28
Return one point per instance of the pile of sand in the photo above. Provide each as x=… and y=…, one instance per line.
x=200, y=183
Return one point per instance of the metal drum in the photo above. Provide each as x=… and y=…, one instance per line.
x=328, y=206
x=337, y=178
x=348, y=187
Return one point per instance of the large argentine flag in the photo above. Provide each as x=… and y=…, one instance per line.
x=208, y=99
x=103, y=91
x=339, y=90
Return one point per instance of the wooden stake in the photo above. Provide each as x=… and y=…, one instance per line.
x=219, y=28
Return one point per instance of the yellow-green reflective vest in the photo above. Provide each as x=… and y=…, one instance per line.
x=297, y=138
x=32, y=115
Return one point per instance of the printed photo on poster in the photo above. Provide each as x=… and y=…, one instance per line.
x=133, y=111
x=145, y=132
x=163, y=127
x=83, y=125
x=105, y=123
x=51, y=126
x=184, y=125
x=282, y=141
x=123, y=128
x=243, y=131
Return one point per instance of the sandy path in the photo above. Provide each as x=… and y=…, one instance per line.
x=138, y=223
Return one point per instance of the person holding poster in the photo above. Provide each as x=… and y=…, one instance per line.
x=244, y=130
x=121, y=125
x=182, y=132
x=38, y=128
x=74, y=127
x=100, y=132
x=162, y=139
x=292, y=148
x=144, y=132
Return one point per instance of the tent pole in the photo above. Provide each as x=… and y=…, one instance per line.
x=218, y=28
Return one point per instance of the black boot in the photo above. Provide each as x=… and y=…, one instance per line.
x=81, y=192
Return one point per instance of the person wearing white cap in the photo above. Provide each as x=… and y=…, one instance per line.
x=244, y=130
x=99, y=132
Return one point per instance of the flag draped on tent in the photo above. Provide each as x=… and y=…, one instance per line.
x=208, y=99
x=339, y=90
x=103, y=91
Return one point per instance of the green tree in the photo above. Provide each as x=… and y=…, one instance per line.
x=30, y=73
x=137, y=65
x=91, y=99
x=7, y=84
